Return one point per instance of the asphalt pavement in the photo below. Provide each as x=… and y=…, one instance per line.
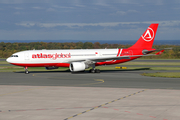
x=109, y=95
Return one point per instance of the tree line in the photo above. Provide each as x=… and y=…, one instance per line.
x=7, y=49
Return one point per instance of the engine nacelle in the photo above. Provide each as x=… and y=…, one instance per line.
x=77, y=66
x=52, y=67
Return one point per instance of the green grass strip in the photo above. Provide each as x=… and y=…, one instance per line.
x=163, y=74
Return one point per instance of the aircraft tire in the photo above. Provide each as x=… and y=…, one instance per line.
x=26, y=72
x=92, y=71
x=97, y=71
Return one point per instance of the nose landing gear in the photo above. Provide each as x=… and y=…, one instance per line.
x=26, y=70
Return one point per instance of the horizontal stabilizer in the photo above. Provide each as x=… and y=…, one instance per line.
x=160, y=52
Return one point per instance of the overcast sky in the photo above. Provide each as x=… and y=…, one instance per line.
x=88, y=19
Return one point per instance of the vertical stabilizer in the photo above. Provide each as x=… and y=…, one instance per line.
x=147, y=38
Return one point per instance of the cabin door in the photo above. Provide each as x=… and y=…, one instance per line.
x=26, y=56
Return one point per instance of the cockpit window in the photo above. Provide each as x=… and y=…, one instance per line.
x=14, y=55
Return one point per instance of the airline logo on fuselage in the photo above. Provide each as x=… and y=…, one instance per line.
x=52, y=56
x=148, y=35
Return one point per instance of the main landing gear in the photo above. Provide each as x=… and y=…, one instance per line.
x=26, y=70
x=94, y=71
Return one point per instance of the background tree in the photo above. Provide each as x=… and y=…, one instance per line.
x=7, y=49
x=96, y=45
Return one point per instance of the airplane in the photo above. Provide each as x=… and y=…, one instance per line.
x=80, y=59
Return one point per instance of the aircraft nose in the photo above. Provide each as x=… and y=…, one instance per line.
x=8, y=60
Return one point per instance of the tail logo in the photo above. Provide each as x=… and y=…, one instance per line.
x=148, y=35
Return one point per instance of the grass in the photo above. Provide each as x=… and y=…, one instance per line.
x=5, y=67
x=165, y=68
x=3, y=62
x=163, y=74
x=21, y=69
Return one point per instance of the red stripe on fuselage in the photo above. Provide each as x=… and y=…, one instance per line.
x=118, y=52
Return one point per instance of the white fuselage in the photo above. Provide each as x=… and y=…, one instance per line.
x=52, y=57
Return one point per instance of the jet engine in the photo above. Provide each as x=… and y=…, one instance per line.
x=78, y=66
x=52, y=67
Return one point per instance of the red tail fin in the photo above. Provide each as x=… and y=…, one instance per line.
x=147, y=39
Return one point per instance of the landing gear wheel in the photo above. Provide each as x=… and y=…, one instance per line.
x=26, y=72
x=94, y=71
x=97, y=70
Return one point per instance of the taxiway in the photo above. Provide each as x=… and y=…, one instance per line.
x=110, y=95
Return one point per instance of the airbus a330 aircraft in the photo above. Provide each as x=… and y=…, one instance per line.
x=81, y=59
